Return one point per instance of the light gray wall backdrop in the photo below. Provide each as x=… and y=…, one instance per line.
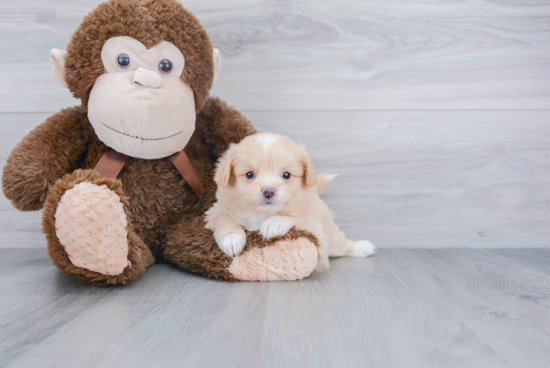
x=435, y=113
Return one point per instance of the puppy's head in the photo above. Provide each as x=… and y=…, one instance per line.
x=264, y=172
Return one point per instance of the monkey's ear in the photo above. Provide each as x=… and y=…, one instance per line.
x=57, y=61
x=217, y=63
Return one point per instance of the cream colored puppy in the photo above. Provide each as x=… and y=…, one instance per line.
x=267, y=183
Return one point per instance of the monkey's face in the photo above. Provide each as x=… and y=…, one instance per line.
x=140, y=106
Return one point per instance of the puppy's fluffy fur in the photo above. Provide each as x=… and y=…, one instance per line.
x=267, y=183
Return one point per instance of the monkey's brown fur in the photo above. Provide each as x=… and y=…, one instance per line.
x=164, y=214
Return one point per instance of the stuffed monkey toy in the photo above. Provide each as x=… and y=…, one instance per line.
x=125, y=178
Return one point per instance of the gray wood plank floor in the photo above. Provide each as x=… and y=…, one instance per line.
x=400, y=308
x=436, y=116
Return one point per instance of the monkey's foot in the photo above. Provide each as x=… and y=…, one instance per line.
x=91, y=225
x=290, y=257
x=89, y=233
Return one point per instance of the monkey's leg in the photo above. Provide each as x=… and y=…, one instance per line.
x=290, y=257
x=89, y=233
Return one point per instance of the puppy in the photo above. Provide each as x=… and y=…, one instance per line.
x=267, y=183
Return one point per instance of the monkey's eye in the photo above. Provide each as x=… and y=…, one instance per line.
x=123, y=61
x=286, y=175
x=250, y=175
x=165, y=66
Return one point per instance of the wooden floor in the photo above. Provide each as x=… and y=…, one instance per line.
x=435, y=114
x=400, y=308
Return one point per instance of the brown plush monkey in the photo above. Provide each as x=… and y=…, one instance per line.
x=125, y=178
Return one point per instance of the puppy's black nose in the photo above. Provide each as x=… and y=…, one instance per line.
x=268, y=192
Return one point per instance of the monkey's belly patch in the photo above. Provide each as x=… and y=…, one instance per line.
x=91, y=225
x=286, y=260
x=143, y=139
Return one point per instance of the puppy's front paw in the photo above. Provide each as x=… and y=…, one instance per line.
x=275, y=226
x=232, y=244
x=364, y=248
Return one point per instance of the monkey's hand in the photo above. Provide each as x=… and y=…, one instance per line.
x=292, y=256
x=48, y=152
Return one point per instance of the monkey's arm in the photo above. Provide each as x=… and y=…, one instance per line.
x=51, y=150
x=193, y=248
x=221, y=125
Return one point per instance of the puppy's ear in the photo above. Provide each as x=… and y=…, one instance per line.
x=309, y=174
x=223, y=169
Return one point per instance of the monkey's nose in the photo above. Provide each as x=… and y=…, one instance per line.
x=147, y=78
x=269, y=192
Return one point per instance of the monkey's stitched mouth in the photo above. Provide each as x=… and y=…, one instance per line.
x=136, y=137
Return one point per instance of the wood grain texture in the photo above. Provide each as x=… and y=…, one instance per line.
x=322, y=54
x=408, y=179
x=400, y=308
x=374, y=89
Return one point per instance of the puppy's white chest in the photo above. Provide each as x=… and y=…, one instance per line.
x=249, y=220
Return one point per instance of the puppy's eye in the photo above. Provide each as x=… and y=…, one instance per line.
x=286, y=175
x=123, y=61
x=250, y=175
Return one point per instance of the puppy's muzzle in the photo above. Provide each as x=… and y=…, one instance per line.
x=268, y=192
